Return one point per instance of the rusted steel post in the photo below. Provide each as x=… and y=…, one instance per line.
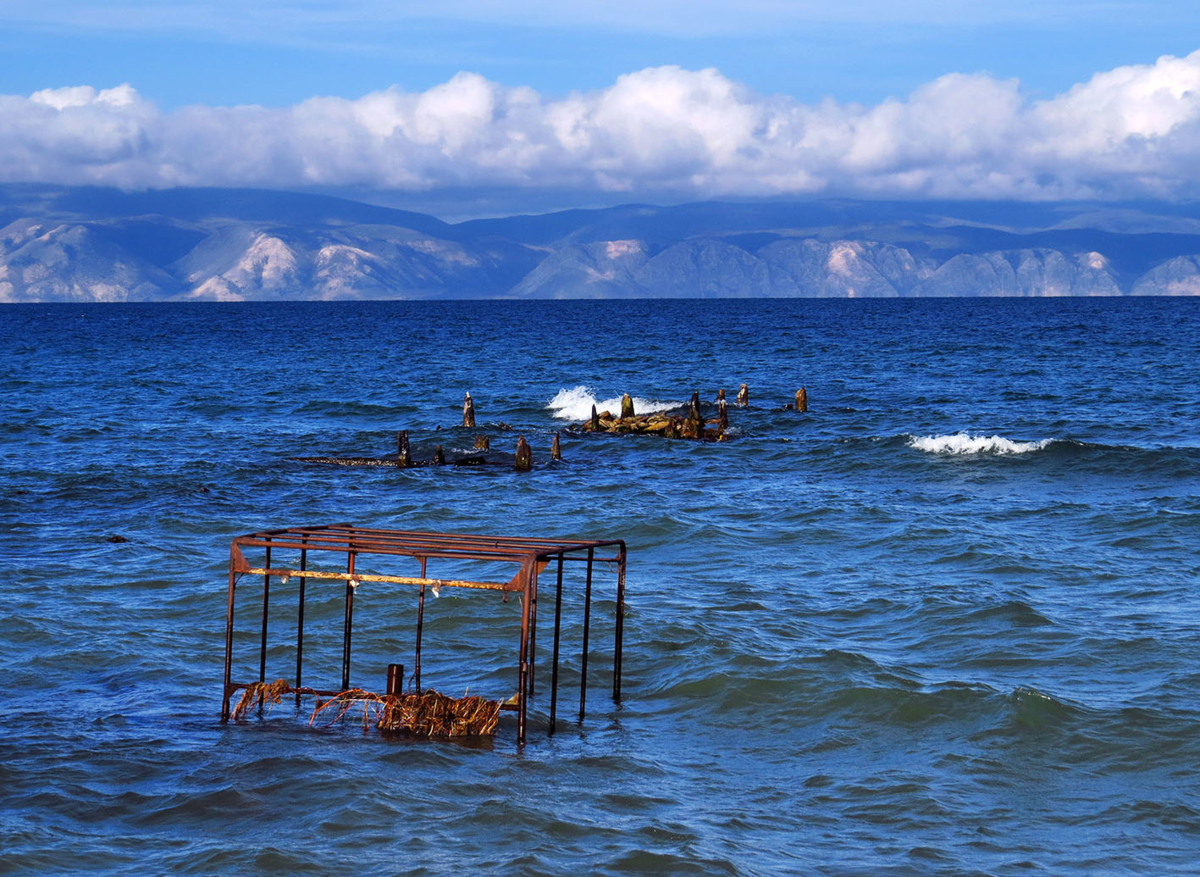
x=527, y=569
x=556, y=448
x=468, y=412
x=403, y=454
x=482, y=443
x=587, y=623
x=557, y=632
x=802, y=400
x=722, y=415
x=395, y=680
x=228, y=641
x=626, y=406
x=595, y=421
x=524, y=461
x=349, y=623
x=618, y=649
x=300, y=620
x=439, y=457
x=743, y=396
x=420, y=627
x=262, y=655
x=533, y=629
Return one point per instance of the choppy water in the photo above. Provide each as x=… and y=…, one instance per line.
x=944, y=623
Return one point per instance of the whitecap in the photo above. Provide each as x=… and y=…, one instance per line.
x=964, y=443
x=576, y=404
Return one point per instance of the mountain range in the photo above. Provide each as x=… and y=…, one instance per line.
x=87, y=244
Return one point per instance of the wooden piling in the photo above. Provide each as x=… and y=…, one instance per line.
x=524, y=461
x=439, y=457
x=695, y=406
x=722, y=415
x=626, y=406
x=403, y=454
x=483, y=443
x=468, y=412
x=595, y=423
x=743, y=396
x=802, y=399
x=555, y=448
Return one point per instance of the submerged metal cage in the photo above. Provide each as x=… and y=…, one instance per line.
x=530, y=555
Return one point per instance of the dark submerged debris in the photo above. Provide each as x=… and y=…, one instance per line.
x=428, y=714
x=117, y=540
x=483, y=443
x=439, y=457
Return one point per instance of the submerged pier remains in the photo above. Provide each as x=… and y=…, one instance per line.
x=313, y=552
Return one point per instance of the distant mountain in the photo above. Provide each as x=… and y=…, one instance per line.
x=92, y=244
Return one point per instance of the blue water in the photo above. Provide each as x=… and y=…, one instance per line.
x=944, y=623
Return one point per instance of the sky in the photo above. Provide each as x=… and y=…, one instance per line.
x=526, y=104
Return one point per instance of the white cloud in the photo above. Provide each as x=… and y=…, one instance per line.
x=1132, y=131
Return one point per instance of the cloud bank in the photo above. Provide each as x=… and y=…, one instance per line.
x=1130, y=132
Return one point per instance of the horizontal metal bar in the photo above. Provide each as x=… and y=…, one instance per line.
x=368, y=577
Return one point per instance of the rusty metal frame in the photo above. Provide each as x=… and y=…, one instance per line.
x=531, y=555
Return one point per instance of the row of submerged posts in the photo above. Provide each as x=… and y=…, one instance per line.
x=691, y=424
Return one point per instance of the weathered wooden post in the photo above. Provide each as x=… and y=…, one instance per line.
x=483, y=443
x=595, y=424
x=468, y=412
x=720, y=394
x=693, y=426
x=802, y=399
x=722, y=415
x=524, y=461
x=555, y=448
x=626, y=406
x=743, y=396
x=439, y=457
x=403, y=454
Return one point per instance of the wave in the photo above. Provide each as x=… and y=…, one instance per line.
x=576, y=404
x=964, y=443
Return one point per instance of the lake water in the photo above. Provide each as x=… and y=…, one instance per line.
x=945, y=622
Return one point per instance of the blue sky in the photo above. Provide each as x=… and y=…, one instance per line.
x=279, y=52
x=548, y=104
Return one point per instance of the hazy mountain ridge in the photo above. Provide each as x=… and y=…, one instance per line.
x=79, y=244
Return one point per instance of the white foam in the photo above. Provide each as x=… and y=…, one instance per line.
x=576, y=404
x=964, y=443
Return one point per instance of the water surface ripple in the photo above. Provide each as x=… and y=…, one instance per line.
x=944, y=623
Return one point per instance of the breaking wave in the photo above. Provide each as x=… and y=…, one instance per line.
x=576, y=404
x=964, y=443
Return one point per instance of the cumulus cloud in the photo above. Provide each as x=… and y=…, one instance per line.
x=1129, y=132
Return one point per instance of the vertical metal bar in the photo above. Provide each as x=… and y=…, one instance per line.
x=587, y=624
x=533, y=631
x=527, y=570
x=348, y=624
x=300, y=621
x=420, y=626
x=262, y=656
x=618, y=647
x=557, y=630
x=228, y=643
